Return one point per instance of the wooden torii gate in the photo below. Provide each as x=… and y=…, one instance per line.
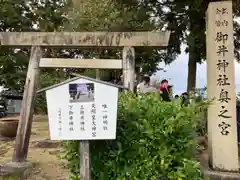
x=40, y=40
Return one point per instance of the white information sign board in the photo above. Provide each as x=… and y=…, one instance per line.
x=82, y=110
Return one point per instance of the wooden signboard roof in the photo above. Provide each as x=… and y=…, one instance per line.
x=78, y=76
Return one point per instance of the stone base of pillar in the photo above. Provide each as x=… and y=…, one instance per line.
x=217, y=175
x=15, y=169
x=214, y=174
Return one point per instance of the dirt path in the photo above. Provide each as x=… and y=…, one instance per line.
x=43, y=153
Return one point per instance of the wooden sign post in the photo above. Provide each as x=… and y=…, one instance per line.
x=85, y=161
x=84, y=152
x=84, y=114
x=85, y=167
x=222, y=123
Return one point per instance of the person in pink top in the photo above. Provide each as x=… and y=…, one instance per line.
x=165, y=89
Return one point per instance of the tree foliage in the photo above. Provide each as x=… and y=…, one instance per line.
x=31, y=15
x=109, y=15
x=155, y=140
x=186, y=21
x=48, y=15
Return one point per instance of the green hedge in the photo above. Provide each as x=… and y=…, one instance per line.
x=155, y=140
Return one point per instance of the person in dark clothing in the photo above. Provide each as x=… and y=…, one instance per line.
x=165, y=90
x=176, y=96
x=185, y=99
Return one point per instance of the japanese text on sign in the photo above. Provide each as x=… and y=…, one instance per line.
x=60, y=121
x=71, y=118
x=105, y=117
x=221, y=12
x=222, y=66
x=221, y=23
x=82, y=122
x=94, y=126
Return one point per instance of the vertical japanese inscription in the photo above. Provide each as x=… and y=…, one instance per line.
x=222, y=126
x=94, y=125
x=59, y=121
x=70, y=112
x=82, y=121
x=222, y=68
x=223, y=23
x=105, y=117
x=221, y=12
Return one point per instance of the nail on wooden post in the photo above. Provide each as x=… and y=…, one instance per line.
x=128, y=67
x=27, y=109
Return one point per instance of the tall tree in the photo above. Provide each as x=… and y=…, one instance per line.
x=16, y=16
x=186, y=21
x=30, y=15
x=110, y=15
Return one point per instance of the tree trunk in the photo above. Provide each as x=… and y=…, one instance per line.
x=192, y=71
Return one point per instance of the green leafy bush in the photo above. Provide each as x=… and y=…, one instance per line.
x=155, y=140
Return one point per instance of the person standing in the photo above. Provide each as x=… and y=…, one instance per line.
x=165, y=90
x=185, y=99
x=144, y=86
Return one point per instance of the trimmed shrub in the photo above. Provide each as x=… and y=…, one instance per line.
x=155, y=140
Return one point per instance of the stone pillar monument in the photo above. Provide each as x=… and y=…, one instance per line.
x=222, y=125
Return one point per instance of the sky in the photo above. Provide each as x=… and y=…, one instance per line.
x=177, y=72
